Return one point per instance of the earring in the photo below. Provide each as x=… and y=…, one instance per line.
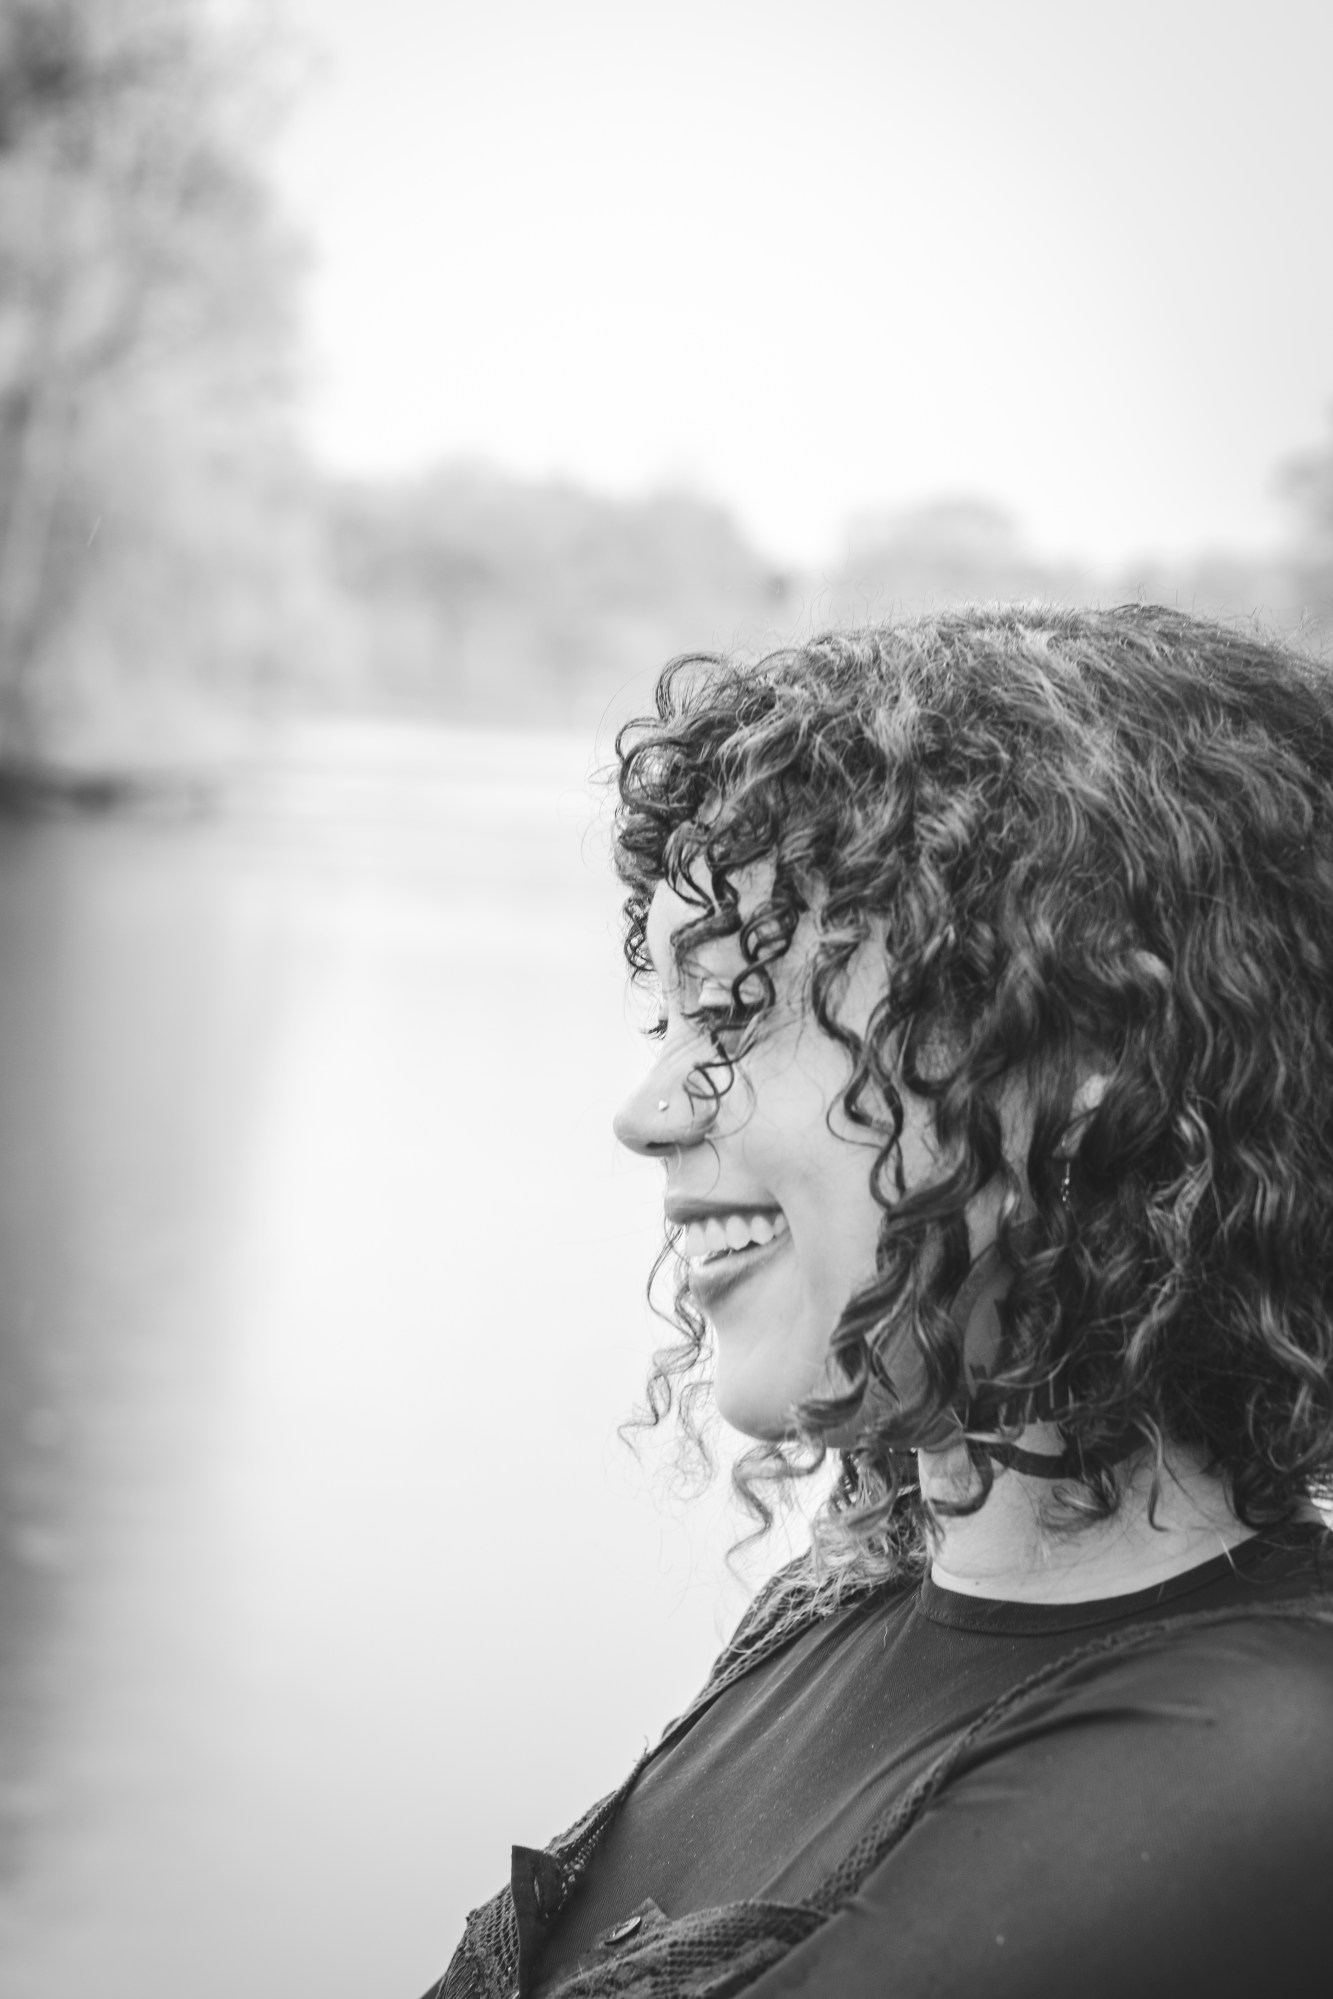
x=1064, y=1184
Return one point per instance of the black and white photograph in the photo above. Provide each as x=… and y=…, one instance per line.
x=666, y=999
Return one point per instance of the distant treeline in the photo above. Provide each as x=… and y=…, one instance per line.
x=171, y=562
x=482, y=596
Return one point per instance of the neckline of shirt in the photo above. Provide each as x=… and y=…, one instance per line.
x=1004, y=1614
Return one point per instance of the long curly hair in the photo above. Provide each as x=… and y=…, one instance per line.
x=1104, y=833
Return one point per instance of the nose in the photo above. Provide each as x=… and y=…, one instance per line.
x=667, y=1110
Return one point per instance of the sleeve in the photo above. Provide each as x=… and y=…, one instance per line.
x=1156, y=1825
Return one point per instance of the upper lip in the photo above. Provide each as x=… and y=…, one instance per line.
x=679, y=1211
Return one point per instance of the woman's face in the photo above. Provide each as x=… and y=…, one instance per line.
x=771, y=1185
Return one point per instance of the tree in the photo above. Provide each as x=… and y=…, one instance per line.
x=1306, y=483
x=144, y=280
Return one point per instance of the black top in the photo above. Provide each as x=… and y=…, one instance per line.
x=1161, y=1790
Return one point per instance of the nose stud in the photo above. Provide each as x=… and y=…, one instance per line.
x=662, y=1104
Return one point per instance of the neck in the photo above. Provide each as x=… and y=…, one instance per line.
x=1010, y=1549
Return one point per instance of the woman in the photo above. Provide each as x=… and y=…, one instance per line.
x=994, y=1096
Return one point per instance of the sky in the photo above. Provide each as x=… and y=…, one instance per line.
x=828, y=259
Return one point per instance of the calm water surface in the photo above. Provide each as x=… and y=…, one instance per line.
x=323, y=1576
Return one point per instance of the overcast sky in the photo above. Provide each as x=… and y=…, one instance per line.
x=821, y=257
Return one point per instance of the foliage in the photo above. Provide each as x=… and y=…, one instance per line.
x=1307, y=483
x=172, y=564
x=146, y=311
x=485, y=597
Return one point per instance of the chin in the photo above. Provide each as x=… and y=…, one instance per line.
x=754, y=1409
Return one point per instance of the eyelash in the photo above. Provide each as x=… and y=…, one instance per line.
x=714, y=1021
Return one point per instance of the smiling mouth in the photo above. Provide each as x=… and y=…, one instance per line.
x=724, y=1250
x=714, y=1237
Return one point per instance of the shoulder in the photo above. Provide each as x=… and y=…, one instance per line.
x=1152, y=1817
x=1232, y=1709
x=783, y=1601
x=795, y=1599
x=1223, y=1656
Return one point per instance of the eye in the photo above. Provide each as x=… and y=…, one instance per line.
x=724, y=1021
x=717, y=1016
x=710, y=1020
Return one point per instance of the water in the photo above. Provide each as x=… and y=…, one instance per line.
x=324, y=1577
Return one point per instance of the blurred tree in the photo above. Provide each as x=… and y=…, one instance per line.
x=146, y=295
x=167, y=554
x=487, y=597
x=944, y=552
x=1307, y=483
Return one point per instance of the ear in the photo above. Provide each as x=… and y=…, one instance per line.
x=1090, y=1091
x=1092, y=1085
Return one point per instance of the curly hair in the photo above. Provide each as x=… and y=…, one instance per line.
x=1078, y=831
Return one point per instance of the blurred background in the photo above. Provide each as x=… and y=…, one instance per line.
x=386, y=391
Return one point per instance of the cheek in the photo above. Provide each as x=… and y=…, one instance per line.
x=776, y=1108
x=822, y=1180
x=794, y=1145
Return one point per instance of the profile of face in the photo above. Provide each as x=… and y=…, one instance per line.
x=771, y=1182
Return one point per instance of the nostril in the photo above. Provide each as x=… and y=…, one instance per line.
x=642, y=1123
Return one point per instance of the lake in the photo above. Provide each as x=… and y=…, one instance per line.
x=324, y=1576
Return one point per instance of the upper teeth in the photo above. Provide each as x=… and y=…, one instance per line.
x=733, y=1231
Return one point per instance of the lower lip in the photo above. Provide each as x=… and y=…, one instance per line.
x=715, y=1281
